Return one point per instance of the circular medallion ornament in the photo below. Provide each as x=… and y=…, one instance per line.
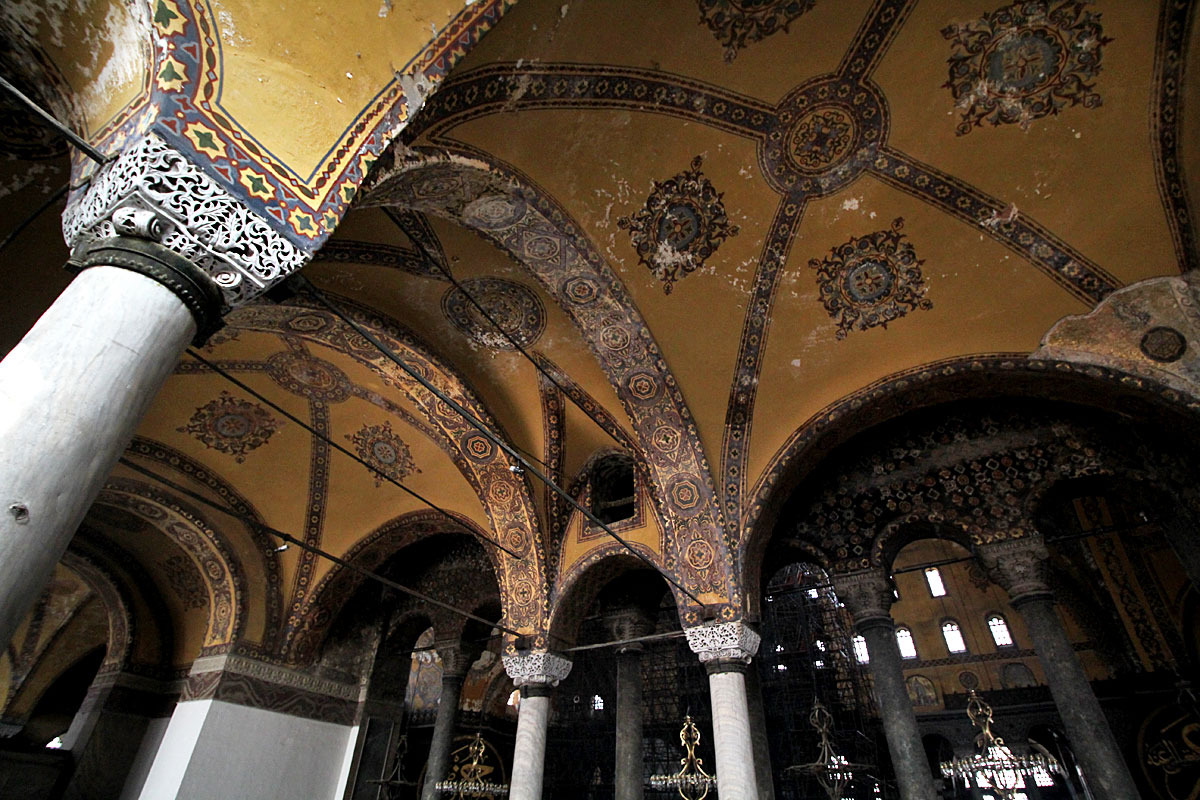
x=309, y=377
x=699, y=554
x=512, y=306
x=1023, y=63
x=386, y=452
x=231, y=425
x=968, y=680
x=494, y=212
x=827, y=133
x=1163, y=345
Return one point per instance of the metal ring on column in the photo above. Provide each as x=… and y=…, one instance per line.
x=194, y=288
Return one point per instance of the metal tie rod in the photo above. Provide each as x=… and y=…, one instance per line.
x=486, y=431
x=312, y=548
x=73, y=137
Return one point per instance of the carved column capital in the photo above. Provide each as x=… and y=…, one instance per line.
x=628, y=623
x=724, y=645
x=868, y=595
x=457, y=658
x=1019, y=566
x=536, y=670
x=152, y=191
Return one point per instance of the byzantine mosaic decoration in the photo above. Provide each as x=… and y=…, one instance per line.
x=380, y=447
x=738, y=23
x=231, y=425
x=513, y=307
x=182, y=103
x=871, y=280
x=1025, y=61
x=681, y=225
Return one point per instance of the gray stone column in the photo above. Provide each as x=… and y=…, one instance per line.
x=629, y=778
x=868, y=596
x=725, y=649
x=73, y=391
x=1020, y=566
x=456, y=662
x=535, y=675
x=758, y=736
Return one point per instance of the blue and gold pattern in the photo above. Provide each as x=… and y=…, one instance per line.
x=681, y=225
x=380, y=447
x=231, y=425
x=871, y=280
x=738, y=23
x=1025, y=61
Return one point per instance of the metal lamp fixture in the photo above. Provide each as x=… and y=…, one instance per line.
x=470, y=782
x=995, y=764
x=692, y=782
x=833, y=772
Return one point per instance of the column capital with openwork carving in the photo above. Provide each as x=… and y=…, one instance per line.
x=723, y=642
x=152, y=191
x=537, y=669
x=1019, y=566
x=868, y=595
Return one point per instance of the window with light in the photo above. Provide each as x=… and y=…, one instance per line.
x=1000, y=633
x=597, y=703
x=860, y=650
x=904, y=638
x=953, y=636
x=933, y=577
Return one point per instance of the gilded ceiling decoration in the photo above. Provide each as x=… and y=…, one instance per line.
x=871, y=280
x=380, y=447
x=1025, y=61
x=682, y=223
x=739, y=23
x=184, y=581
x=231, y=425
x=511, y=305
x=1163, y=344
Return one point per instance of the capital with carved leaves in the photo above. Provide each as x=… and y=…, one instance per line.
x=1019, y=566
x=723, y=646
x=868, y=595
x=536, y=673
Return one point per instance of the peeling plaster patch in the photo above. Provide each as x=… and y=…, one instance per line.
x=25, y=178
x=796, y=362
x=416, y=88
x=229, y=33
x=385, y=8
x=1001, y=217
x=850, y=204
x=566, y=7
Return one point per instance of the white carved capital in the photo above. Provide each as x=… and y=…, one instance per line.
x=724, y=641
x=538, y=669
x=197, y=218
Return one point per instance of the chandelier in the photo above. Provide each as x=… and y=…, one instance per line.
x=833, y=771
x=470, y=782
x=692, y=782
x=995, y=766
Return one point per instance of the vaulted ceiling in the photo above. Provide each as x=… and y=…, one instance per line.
x=709, y=222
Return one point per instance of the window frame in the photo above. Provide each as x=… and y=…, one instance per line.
x=916, y=655
x=958, y=630
x=1012, y=642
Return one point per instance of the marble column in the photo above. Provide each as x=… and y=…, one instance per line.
x=725, y=650
x=73, y=391
x=456, y=662
x=1020, y=567
x=535, y=674
x=758, y=736
x=629, y=771
x=868, y=595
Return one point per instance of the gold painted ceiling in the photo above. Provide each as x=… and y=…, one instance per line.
x=711, y=224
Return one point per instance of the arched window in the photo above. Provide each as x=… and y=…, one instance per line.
x=860, y=650
x=933, y=576
x=597, y=703
x=613, y=489
x=953, y=637
x=1000, y=633
x=904, y=638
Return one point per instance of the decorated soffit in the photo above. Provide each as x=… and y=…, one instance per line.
x=287, y=110
x=843, y=191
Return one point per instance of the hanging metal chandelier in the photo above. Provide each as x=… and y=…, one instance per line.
x=470, y=782
x=995, y=766
x=692, y=782
x=833, y=771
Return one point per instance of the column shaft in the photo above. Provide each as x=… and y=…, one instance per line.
x=1087, y=727
x=443, y=735
x=895, y=709
x=72, y=392
x=529, y=753
x=731, y=735
x=629, y=772
x=758, y=736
